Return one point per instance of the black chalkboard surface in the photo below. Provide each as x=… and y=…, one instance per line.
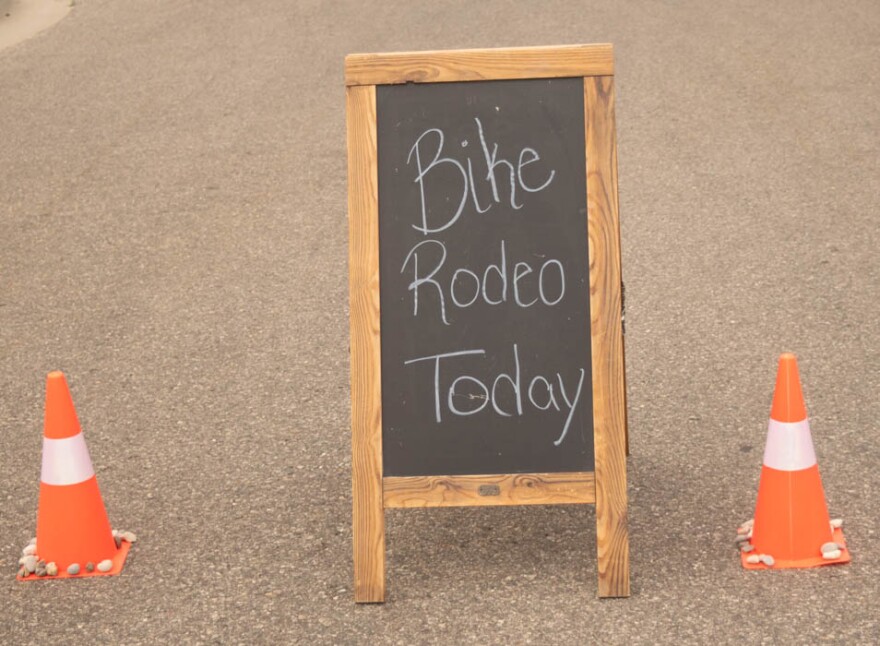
x=484, y=283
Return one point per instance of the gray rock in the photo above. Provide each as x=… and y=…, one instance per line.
x=73, y=568
x=105, y=565
x=22, y=572
x=741, y=538
x=831, y=546
x=51, y=569
x=29, y=550
x=747, y=547
x=831, y=555
x=768, y=560
x=118, y=540
x=90, y=567
x=129, y=536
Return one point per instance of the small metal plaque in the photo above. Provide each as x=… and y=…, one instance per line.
x=489, y=490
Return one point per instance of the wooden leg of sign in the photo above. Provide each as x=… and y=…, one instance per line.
x=368, y=514
x=609, y=414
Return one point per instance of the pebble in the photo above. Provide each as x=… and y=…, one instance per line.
x=833, y=554
x=129, y=536
x=90, y=567
x=22, y=572
x=115, y=533
x=747, y=547
x=118, y=540
x=73, y=568
x=754, y=559
x=30, y=563
x=105, y=565
x=836, y=523
x=741, y=538
x=51, y=569
x=41, y=569
x=768, y=560
x=29, y=550
x=33, y=541
x=829, y=547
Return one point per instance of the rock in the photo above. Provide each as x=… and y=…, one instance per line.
x=29, y=550
x=747, y=547
x=741, y=538
x=751, y=531
x=129, y=536
x=52, y=569
x=105, y=565
x=73, y=568
x=831, y=555
x=41, y=569
x=90, y=567
x=829, y=547
x=30, y=563
x=118, y=540
x=754, y=559
x=115, y=533
x=22, y=572
x=836, y=523
x=33, y=541
x=768, y=560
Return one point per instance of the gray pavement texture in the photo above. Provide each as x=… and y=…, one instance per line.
x=173, y=236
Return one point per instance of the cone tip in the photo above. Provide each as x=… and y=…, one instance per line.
x=788, y=399
x=55, y=374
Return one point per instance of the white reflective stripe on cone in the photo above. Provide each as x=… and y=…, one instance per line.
x=66, y=461
x=789, y=446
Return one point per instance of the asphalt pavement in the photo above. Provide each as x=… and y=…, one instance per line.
x=173, y=236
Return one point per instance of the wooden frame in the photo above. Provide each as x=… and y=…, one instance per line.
x=606, y=487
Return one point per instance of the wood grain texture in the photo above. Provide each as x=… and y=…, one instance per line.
x=515, y=489
x=479, y=64
x=609, y=417
x=368, y=516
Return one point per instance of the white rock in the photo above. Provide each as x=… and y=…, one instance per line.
x=829, y=547
x=831, y=555
x=105, y=565
x=51, y=569
x=115, y=533
x=129, y=536
x=30, y=549
x=768, y=560
x=73, y=568
x=754, y=559
x=33, y=541
x=836, y=522
x=30, y=563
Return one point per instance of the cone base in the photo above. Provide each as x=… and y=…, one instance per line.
x=118, y=561
x=813, y=561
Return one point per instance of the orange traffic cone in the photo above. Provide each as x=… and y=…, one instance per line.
x=791, y=527
x=72, y=525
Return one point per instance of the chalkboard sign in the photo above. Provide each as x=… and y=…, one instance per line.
x=484, y=271
x=486, y=343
